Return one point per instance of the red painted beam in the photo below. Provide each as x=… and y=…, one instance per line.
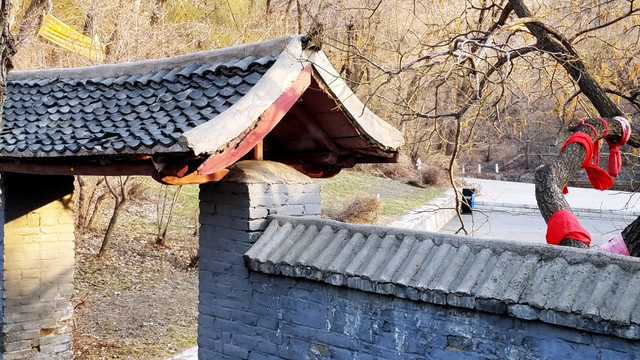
x=246, y=141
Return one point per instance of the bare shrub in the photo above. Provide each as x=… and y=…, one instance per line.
x=363, y=209
x=432, y=175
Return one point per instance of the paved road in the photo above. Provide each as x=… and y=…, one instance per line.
x=508, y=210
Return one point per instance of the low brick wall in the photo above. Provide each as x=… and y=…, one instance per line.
x=252, y=315
x=300, y=319
x=431, y=217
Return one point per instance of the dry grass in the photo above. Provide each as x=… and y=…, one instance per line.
x=140, y=301
x=396, y=197
x=363, y=209
x=431, y=175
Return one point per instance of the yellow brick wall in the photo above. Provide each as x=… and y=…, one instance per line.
x=38, y=266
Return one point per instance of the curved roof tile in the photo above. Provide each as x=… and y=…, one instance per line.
x=131, y=104
x=192, y=104
x=588, y=290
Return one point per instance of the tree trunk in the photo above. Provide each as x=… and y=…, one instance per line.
x=157, y=11
x=7, y=49
x=161, y=238
x=81, y=203
x=95, y=214
x=551, y=178
x=112, y=225
x=300, y=18
x=90, y=19
x=119, y=203
x=563, y=53
x=32, y=19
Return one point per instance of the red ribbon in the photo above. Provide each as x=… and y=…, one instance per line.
x=599, y=178
x=615, y=159
x=563, y=224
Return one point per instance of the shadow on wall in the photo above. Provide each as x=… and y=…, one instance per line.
x=24, y=197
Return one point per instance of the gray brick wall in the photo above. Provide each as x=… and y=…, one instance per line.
x=232, y=217
x=38, y=265
x=310, y=320
x=248, y=315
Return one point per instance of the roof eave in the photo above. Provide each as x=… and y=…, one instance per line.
x=383, y=134
x=208, y=138
x=214, y=135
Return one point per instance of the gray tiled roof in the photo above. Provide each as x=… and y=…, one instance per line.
x=203, y=104
x=105, y=113
x=582, y=289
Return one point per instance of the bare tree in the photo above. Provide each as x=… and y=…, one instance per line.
x=454, y=80
x=120, y=193
x=7, y=49
x=92, y=193
x=161, y=208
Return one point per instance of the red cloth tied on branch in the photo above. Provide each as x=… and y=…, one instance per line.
x=615, y=159
x=563, y=224
x=599, y=178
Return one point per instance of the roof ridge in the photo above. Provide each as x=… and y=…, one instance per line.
x=258, y=49
x=520, y=248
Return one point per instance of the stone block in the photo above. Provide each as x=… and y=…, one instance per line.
x=491, y=305
x=304, y=198
x=53, y=340
x=58, y=229
x=260, y=356
x=312, y=209
x=244, y=317
x=33, y=220
x=620, y=354
x=21, y=335
x=16, y=316
x=20, y=355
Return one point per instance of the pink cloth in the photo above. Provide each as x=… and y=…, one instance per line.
x=615, y=246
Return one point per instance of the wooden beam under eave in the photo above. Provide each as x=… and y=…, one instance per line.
x=144, y=168
x=266, y=122
x=320, y=158
x=190, y=179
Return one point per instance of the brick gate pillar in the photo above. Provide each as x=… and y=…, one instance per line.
x=232, y=216
x=37, y=266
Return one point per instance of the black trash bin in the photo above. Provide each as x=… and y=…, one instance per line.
x=469, y=200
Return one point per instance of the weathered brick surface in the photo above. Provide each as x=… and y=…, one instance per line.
x=250, y=315
x=233, y=215
x=38, y=265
